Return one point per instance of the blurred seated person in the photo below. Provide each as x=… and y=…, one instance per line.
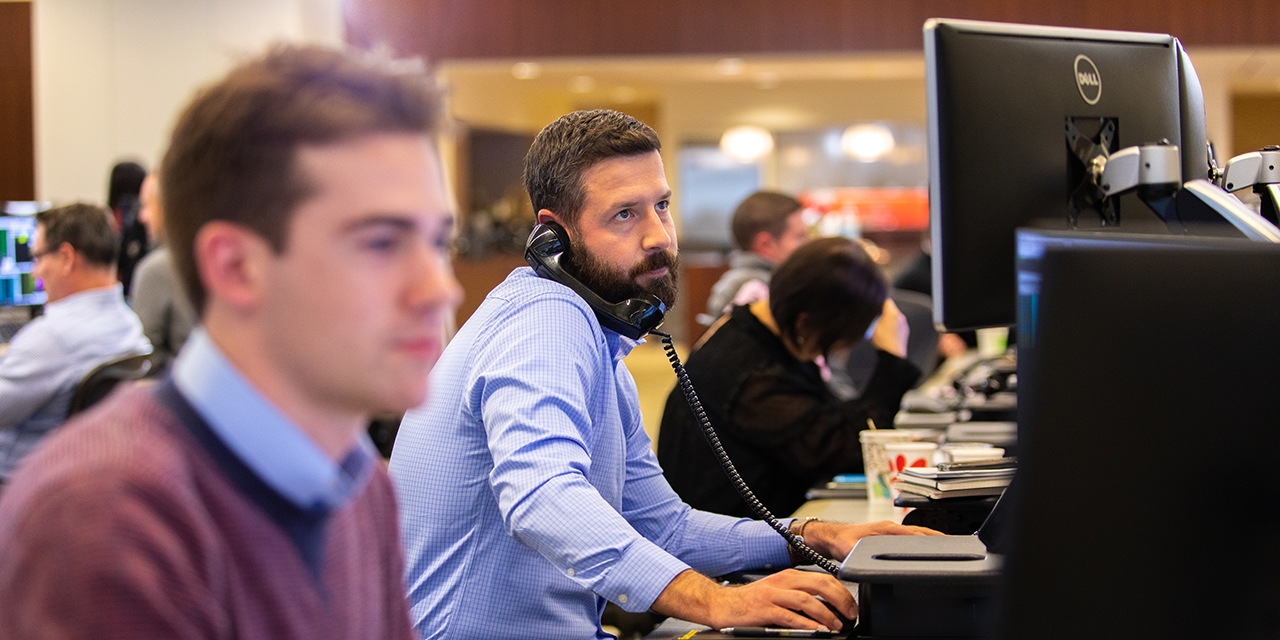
x=156, y=296
x=124, y=199
x=85, y=323
x=767, y=227
x=762, y=391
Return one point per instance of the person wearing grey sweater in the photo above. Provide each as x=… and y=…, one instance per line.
x=155, y=293
x=165, y=312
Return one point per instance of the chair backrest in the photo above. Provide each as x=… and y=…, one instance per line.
x=922, y=344
x=104, y=377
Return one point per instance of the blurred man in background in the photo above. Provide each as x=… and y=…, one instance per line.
x=85, y=323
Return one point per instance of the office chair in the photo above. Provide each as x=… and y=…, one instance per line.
x=104, y=377
x=922, y=344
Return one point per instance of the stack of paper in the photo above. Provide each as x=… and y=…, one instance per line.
x=937, y=484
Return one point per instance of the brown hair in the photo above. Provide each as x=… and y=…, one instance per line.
x=572, y=144
x=762, y=211
x=233, y=152
x=835, y=283
x=87, y=228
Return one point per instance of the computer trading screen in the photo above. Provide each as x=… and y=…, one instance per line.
x=17, y=286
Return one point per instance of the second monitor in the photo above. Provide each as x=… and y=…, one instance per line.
x=1003, y=100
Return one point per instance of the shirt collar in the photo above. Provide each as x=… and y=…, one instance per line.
x=258, y=433
x=619, y=344
x=86, y=297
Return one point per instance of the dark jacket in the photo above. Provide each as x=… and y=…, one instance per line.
x=777, y=420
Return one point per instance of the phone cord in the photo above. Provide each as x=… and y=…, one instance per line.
x=682, y=379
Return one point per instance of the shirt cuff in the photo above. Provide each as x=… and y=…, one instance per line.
x=640, y=576
x=762, y=546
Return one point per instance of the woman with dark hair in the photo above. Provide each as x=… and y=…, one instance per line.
x=759, y=382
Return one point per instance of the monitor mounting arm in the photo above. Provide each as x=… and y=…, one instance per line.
x=1260, y=170
x=1154, y=172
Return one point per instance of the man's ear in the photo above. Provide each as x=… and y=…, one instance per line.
x=71, y=259
x=230, y=261
x=547, y=215
x=764, y=245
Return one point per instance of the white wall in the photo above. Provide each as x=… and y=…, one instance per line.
x=112, y=75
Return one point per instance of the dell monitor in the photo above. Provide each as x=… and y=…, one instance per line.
x=1010, y=109
x=1147, y=438
x=17, y=286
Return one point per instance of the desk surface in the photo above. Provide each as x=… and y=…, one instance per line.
x=851, y=511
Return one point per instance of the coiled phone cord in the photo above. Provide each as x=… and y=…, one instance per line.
x=695, y=405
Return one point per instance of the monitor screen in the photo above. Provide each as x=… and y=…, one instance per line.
x=1033, y=243
x=1001, y=100
x=1147, y=432
x=17, y=285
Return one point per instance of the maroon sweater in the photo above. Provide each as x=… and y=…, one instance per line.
x=128, y=524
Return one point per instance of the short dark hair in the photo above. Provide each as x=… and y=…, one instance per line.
x=835, y=283
x=125, y=181
x=569, y=146
x=762, y=211
x=87, y=228
x=233, y=152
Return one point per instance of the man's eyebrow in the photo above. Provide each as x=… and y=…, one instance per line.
x=382, y=219
x=447, y=223
x=633, y=203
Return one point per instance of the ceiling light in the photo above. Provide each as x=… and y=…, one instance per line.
x=730, y=66
x=867, y=142
x=526, y=70
x=746, y=143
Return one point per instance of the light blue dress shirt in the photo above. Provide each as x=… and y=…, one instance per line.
x=267, y=441
x=50, y=355
x=528, y=488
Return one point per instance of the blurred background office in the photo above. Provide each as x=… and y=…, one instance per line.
x=824, y=99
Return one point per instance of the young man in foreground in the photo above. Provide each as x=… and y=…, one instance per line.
x=308, y=220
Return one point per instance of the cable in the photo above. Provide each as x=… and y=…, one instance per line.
x=695, y=405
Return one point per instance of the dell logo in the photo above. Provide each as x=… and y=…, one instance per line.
x=1088, y=80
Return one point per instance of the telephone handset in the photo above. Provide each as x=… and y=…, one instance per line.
x=632, y=318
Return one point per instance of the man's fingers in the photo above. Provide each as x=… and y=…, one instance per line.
x=811, y=611
x=789, y=619
x=818, y=584
x=889, y=527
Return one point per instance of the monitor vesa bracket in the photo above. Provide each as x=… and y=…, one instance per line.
x=1260, y=170
x=1091, y=151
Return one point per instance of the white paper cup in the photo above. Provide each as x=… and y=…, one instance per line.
x=903, y=455
x=935, y=436
x=875, y=462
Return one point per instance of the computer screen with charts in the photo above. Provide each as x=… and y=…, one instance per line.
x=1147, y=435
x=1011, y=108
x=17, y=285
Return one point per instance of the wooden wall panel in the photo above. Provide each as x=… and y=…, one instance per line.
x=1254, y=121
x=17, y=124
x=444, y=29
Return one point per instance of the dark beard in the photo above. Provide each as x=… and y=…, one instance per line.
x=613, y=285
